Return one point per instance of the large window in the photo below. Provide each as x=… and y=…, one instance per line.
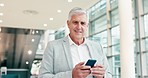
x=101, y=38
x=145, y=4
x=146, y=24
x=113, y=3
x=114, y=17
x=97, y=10
x=147, y=64
x=115, y=38
x=99, y=24
x=116, y=66
x=146, y=44
x=60, y=34
x=115, y=35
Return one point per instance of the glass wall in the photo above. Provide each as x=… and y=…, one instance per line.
x=145, y=6
x=101, y=38
x=146, y=24
x=107, y=32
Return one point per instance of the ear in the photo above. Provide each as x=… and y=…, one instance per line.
x=68, y=23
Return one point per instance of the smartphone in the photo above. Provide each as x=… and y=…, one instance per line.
x=91, y=62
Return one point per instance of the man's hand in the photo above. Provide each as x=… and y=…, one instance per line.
x=81, y=71
x=98, y=71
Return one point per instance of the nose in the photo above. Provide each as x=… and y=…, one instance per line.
x=79, y=25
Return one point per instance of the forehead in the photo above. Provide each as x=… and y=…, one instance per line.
x=79, y=17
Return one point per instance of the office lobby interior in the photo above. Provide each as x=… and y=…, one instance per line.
x=120, y=26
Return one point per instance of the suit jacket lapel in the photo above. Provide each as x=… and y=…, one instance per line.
x=66, y=47
x=90, y=48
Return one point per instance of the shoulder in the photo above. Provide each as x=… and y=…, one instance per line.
x=58, y=41
x=93, y=42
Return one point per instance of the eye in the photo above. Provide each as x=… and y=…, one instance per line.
x=83, y=23
x=75, y=22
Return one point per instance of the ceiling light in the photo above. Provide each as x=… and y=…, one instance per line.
x=1, y=4
x=1, y=21
x=29, y=52
x=27, y=62
x=59, y=11
x=51, y=19
x=69, y=0
x=45, y=25
x=1, y=14
x=37, y=31
x=32, y=40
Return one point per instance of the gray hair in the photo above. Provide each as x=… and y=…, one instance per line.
x=76, y=10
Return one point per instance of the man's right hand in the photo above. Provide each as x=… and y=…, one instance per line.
x=81, y=71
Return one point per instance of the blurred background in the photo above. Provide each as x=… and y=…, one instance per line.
x=27, y=25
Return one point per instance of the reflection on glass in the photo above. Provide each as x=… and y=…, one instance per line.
x=115, y=35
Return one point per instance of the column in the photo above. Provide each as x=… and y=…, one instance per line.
x=126, y=39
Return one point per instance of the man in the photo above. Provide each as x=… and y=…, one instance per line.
x=64, y=58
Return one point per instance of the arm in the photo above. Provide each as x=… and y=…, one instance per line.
x=101, y=70
x=104, y=69
x=106, y=65
x=107, y=68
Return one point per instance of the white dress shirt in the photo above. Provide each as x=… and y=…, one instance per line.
x=80, y=53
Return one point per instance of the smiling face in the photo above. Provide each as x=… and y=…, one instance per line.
x=77, y=25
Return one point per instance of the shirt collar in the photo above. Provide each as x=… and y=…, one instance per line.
x=72, y=43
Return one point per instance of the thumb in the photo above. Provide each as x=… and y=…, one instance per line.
x=81, y=63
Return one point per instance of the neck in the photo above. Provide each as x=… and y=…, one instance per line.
x=77, y=41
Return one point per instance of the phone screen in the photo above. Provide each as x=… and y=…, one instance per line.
x=90, y=62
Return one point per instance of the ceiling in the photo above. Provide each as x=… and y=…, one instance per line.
x=33, y=14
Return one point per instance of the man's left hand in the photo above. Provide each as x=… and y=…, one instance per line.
x=98, y=71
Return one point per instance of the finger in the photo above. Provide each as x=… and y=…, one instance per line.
x=97, y=69
x=86, y=67
x=81, y=63
x=100, y=71
x=98, y=75
x=85, y=71
x=99, y=65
